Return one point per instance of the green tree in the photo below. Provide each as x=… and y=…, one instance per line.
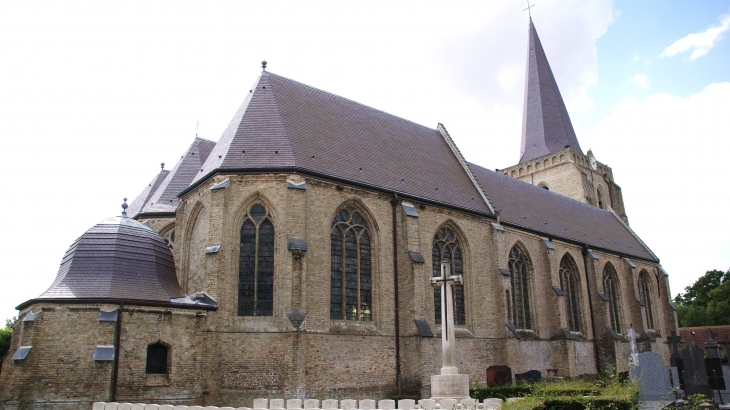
x=6, y=334
x=706, y=302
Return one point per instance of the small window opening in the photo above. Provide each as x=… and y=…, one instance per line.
x=157, y=358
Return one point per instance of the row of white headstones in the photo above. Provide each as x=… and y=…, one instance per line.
x=330, y=404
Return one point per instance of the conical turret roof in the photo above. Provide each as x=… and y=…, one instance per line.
x=546, y=126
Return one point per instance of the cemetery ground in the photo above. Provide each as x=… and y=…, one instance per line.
x=610, y=393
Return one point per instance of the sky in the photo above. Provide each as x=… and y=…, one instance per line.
x=95, y=95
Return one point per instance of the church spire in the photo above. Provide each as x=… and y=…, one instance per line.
x=546, y=126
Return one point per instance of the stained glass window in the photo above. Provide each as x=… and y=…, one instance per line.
x=645, y=295
x=157, y=359
x=256, y=264
x=569, y=283
x=446, y=247
x=611, y=290
x=518, y=266
x=350, y=267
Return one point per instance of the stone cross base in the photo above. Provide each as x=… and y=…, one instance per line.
x=450, y=386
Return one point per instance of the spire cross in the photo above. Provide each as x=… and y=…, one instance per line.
x=446, y=283
x=528, y=8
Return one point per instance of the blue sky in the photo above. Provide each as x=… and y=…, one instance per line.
x=94, y=95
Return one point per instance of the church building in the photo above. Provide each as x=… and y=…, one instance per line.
x=293, y=258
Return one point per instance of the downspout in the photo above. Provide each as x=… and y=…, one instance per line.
x=590, y=310
x=117, y=338
x=394, y=202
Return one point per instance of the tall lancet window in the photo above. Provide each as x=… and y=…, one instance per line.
x=518, y=267
x=351, y=273
x=611, y=290
x=570, y=285
x=646, y=297
x=256, y=264
x=446, y=247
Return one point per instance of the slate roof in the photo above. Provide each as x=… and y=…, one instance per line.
x=546, y=126
x=524, y=205
x=160, y=196
x=286, y=125
x=117, y=259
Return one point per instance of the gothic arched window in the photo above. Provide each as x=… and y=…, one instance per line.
x=645, y=296
x=518, y=265
x=256, y=264
x=350, y=274
x=570, y=285
x=157, y=359
x=446, y=247
x=611, y=290
x=600, y=198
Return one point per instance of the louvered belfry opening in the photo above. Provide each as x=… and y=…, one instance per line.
x=570, y=285
x=351, y=271
x=446, y=248
x=518, y=265
x=645, y=295
x=256, y=264
x=157, y=358
x=610, y=289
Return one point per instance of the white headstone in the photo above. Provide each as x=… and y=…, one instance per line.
x=165, y=407
x=348, y=404
x=151, y=407
x=293, y=404
x=276, y=403
x=227, y=408
x=427, y=404
x=243, y=408
x=448, y=404
x=406, y=404
x=260, y=404
x=492, y=404
x=124, y=406
x=632, y=336
x=211, y=408
x=367, y=405
x=195, y=408
x=312, y=404
x=180, y=408
x=468, y=404
x=386, y=404
x=329, y=404
x=138, y=406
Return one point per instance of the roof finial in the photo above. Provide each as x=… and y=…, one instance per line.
x=528, y=9
x=263, y=65
x=124, y=207
x=162, y=165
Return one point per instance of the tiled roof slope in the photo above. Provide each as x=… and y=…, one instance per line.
x=546, y=126
x=119, y=259
x=285, y=124
x=557, y=216
x=163, y=196
x=144, y=197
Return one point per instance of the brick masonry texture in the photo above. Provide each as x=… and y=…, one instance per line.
x=220, y=358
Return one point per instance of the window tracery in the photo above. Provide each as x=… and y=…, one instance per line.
x=570, y=285
x=446, y=247
x=611, y=290
x=256, y=264
x=351, y=272
x=518, y=265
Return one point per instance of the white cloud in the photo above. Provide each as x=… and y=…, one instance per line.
x=642, y=80
x=699, y=43
x=668, y=155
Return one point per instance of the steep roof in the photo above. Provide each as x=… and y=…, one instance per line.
x=546, y=126
x=287, y=125
x=161, y=194
x=117, y=259
x=537, y=209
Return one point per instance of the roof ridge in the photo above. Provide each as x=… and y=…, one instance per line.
x=204, y=139
x=464, y=164
x=625, y=225
x=352, y=101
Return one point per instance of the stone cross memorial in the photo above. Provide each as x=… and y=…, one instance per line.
x=449, y=384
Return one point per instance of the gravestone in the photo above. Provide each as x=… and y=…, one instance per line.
x=260, y=403
x=312, y=404
x=329, y=404
x=713, y=363
x=498, y=375
x=406, y=404
x=367, y=405
x=492, y=404
x=427, y=404
x=293, y=404
x=276, y=404
x=695, y=372
x=386, y=404
x=676, y=362
x=448, y=404
x=348, y=404
x=469, y=404
x=652, y=377
x=532, y=376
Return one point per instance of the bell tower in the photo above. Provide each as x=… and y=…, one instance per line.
x=550, y=155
